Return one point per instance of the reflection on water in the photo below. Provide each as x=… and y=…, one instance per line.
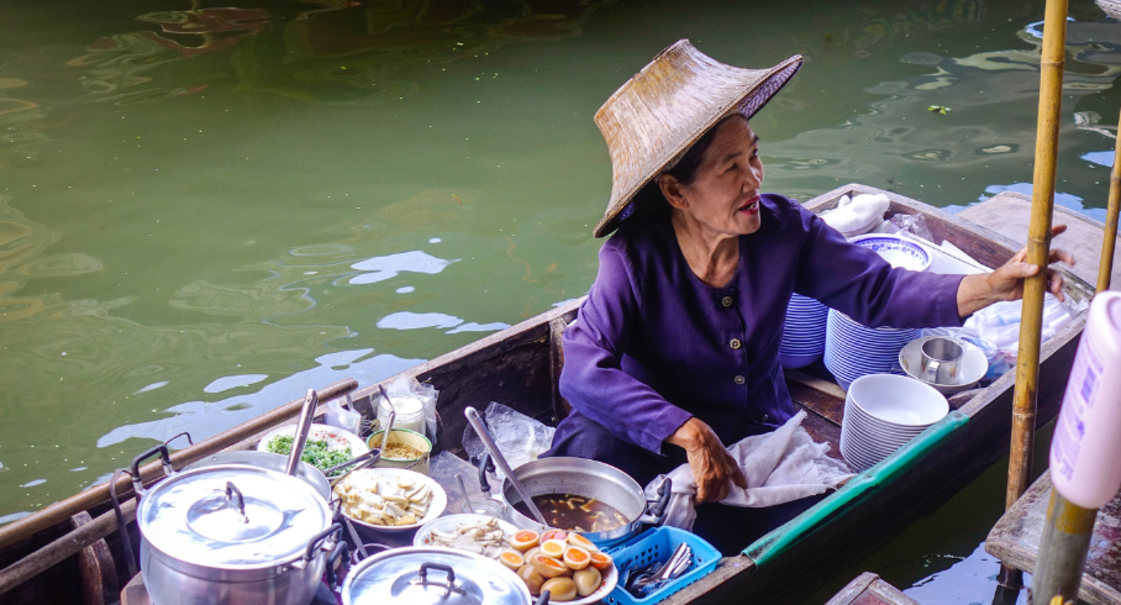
x=204, y=420
x=206, y=208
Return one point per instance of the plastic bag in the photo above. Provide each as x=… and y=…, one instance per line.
x=415, y=403
x=996, y=329
x=913, y=224
x=519, y=437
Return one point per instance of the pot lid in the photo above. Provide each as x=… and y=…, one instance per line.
x=232, y=516
x=424, y=576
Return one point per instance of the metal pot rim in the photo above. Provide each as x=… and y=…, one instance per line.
x=178, y=562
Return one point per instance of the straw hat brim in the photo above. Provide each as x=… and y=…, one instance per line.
x=653, y=119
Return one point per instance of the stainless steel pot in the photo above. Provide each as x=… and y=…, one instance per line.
x=231, y=533
x=434, y=576
x=588, y=478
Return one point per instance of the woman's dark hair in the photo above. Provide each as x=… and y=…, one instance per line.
x=650, y=197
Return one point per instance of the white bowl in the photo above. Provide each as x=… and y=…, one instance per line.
x=900, y=400
x=449, y=523
x=435, y=507
x=972, y=368
x=896, y=250
x=336, y=438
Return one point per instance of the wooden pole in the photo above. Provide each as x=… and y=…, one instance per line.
x=1062, y=551
x=1039, y=247
x=98, y=494
x=1105, y=269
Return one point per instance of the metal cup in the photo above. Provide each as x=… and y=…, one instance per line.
x=940, y=360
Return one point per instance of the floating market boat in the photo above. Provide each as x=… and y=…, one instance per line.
x=71, y=551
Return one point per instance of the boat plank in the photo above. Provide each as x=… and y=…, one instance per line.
x=869, y=589
x=1015, y=540
x=1009, y=214
x=96, y=567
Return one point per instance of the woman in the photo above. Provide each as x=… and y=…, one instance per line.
x=675, y=351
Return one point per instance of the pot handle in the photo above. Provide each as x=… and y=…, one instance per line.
x=422, y=575
x=331, y=533
x=657, y=510
x=485, y=464
x=543, y=599
x=341, y=551
x=165, y=459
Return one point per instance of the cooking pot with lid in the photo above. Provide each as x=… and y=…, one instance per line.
x=434, y=576
x=587, y=478
x=232, y=533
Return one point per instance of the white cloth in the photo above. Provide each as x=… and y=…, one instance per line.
x=862, y=214
x=781, y=466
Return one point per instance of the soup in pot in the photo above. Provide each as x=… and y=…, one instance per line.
x=577, y=513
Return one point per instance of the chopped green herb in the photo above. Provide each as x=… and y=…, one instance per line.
x=317, y=452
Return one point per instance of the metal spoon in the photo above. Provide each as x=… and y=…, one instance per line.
x=484, y=434
x=643, y=582
x=463, y=488
x=299, y=439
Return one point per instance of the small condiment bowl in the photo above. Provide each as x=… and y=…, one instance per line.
x=404, y=437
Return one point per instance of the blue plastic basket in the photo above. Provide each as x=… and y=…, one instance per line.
x=657, y=545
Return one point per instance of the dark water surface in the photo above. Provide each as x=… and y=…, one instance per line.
x=206, y=210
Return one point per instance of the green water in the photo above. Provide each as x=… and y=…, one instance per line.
x=204, y=211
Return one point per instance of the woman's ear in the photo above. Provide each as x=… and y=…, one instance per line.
x=672, y=189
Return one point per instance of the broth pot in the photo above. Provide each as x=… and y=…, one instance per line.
x=585, y=479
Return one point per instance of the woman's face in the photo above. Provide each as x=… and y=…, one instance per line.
x=724, y=194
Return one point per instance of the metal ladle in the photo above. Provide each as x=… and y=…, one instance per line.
x=303, y=427
x=477, y=422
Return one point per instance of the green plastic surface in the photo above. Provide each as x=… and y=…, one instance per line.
x=860, y=487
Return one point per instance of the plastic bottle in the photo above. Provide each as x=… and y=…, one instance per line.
x=1086, y=449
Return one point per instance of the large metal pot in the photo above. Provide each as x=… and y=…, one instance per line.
x=582, y=477
x=434, y=576
x=232, y=533
x=274, y=462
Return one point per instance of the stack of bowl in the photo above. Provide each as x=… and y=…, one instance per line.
x=883, y=412
x=852, y=350
x=803, y=338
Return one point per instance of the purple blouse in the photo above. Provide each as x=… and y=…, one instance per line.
x=654, y=345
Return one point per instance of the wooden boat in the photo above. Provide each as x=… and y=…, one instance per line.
x=70, y=550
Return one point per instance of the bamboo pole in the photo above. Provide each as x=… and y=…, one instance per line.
x=62, y=510
x=1105, y=269
x=1039, y=247
x=1062, y=551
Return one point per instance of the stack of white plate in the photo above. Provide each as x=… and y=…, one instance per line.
x=852, y=350
x=883, y=412
x=803, y=338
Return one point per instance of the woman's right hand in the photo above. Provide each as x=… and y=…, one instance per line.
x=714, y=469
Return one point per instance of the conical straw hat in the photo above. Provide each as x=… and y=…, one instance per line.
x=653, y=119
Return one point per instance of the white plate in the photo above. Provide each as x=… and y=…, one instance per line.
x=335, y=437
x=435, y=508
x=897, y=251
x=449, y=524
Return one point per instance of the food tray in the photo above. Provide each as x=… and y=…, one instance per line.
x=658, y=544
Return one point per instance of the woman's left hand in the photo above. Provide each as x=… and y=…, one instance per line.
x=1007, y=282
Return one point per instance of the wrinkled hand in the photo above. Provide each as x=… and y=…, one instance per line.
x=1006, y=283
x=714, y=469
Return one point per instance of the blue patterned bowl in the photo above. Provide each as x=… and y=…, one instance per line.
x=898, y=251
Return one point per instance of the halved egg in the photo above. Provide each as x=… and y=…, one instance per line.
x=600, y=560
x=525, y=540
x=511, y=559
x=576, y=539
x=547, y=566
x=553, y=548
x=576, y=558
x=554, y=534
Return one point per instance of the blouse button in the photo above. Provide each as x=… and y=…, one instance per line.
x=726, y=301
x=735, y=343
x=740, y=380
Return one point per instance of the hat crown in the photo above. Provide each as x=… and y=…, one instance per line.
x=660, y=112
